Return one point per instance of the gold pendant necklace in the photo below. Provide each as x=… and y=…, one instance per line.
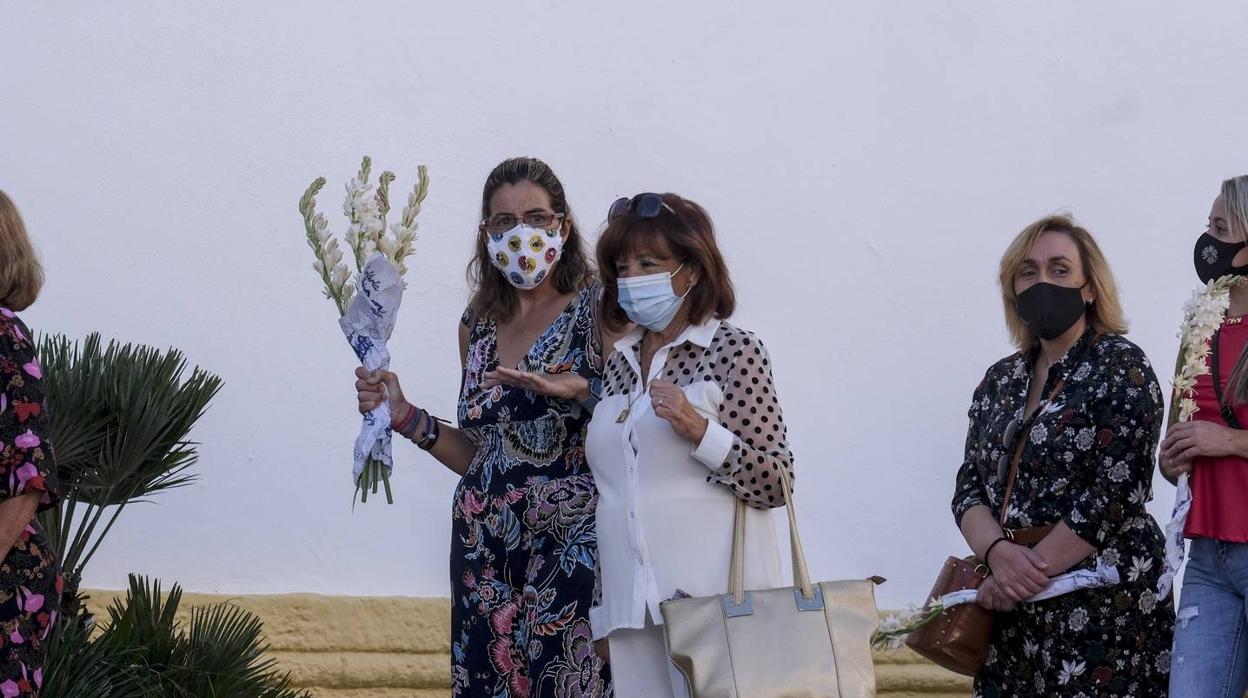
x=628, y=410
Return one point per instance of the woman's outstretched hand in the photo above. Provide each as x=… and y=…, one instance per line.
x=565, y=386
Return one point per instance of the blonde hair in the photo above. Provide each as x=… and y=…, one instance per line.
x=21, y=275
x=1104, y=313
x=1235, y=193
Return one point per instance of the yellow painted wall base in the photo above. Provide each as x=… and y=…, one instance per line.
x=392, y=647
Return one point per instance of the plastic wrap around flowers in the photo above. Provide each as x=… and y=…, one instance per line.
x=368, y=301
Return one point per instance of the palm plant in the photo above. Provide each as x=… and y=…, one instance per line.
x=119, y=419
x=143, y=650
x=79, y=668
x=119, y=416
x=219, y=653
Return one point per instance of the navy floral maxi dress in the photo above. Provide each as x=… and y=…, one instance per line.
x=1088, y=462
x=30, y=575
x=524, y=550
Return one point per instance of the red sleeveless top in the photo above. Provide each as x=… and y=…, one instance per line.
x=1220, y=485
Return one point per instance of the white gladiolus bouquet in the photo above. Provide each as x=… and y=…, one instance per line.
x=368, y=299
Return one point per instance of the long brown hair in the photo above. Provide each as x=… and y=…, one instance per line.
x=1104, y=314
x=688, y=231
x=21, y=275
x=1235, y=193
x=493, y=297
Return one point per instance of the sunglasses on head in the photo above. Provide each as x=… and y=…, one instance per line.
x=645, y=205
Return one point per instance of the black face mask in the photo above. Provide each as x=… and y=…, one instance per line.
x=1050, y=310
x=1214, y=258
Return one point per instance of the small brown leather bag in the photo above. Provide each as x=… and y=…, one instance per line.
x=958, y=639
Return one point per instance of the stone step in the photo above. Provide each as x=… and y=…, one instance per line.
x=387, y=647
x=380, y=692
x=920, y=679
x=342, y=670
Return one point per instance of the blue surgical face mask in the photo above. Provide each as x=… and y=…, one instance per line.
x=650, y=301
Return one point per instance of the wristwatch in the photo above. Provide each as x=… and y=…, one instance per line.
x=595, y=394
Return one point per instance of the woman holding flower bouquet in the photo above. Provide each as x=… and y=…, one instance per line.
x=1210, y=649
x=524, y=547
x=1082, y=406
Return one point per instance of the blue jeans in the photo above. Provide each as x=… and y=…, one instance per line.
x=1210, y=658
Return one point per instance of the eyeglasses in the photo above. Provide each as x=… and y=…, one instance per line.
x=646, y=205
x=502, y=222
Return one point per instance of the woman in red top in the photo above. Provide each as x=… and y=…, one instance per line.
x=1210, y=657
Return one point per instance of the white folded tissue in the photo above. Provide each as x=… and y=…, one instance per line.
x=1103, y=576
x=1176, y=544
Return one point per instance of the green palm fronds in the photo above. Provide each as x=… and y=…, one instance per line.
x=144, y=650
x=119, y=418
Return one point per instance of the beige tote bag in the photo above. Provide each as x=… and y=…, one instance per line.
x=804, y=641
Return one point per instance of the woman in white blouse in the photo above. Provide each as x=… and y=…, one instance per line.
x=685, y=420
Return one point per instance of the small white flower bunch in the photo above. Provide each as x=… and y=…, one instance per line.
x=1203, y=314
x=364, y=212
x=399, y=247
x=366, y=208
x=328, y=265
x=895, y=627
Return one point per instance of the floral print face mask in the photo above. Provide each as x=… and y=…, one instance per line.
x=525, y=254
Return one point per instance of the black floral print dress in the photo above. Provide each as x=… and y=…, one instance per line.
x=524, y=550
x=1088, y=462
x=30, y=575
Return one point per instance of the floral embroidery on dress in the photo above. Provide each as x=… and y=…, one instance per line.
x=1088, y=463
x=30, y=576
x=524, y=551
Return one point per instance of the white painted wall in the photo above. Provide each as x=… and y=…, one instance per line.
x=866, y=164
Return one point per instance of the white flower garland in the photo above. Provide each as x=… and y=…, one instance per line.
x=1203, y=314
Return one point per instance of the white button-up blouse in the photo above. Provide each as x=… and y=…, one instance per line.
x=665, y=506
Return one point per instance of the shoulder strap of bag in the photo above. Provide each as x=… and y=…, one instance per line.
x=1018, y=450
x=1022, y=438
x=801, y=573
x=1215, y=365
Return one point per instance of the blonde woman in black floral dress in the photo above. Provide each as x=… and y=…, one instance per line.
x=1095, y=411
x=30, y=578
